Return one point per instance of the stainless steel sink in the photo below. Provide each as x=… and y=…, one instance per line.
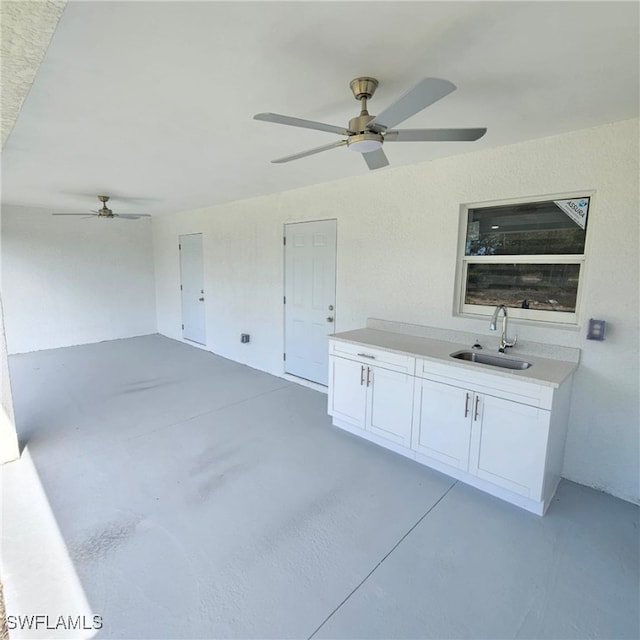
x=494, y=361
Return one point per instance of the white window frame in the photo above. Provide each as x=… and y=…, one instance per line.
x=534, y=315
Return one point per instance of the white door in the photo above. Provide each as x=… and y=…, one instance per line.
x=390, y=404
x=192, y=286
x=310, y=297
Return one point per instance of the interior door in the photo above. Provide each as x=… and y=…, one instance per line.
x=192, y=288
x=310, y=297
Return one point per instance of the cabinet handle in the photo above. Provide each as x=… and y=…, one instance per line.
x=366, y=355
x=368, y=378
x=466, y=404
x=475, y=411
x=361, y=374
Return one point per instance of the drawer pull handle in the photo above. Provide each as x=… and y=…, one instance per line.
x=361, y=374
x=366, y=355
x=466, y=404
x=475, y=411
x=368, y=374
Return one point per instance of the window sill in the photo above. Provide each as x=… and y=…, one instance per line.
x=525, y=322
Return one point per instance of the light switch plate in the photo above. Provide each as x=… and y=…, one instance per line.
x=596, y=329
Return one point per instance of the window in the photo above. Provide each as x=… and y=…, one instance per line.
x=528, y=256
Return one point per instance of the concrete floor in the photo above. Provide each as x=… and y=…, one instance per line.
x=199, y=498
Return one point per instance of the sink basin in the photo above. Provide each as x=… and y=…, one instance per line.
x=495, y=361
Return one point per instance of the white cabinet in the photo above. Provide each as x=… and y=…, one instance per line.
x=503, y=434
x=498, y=440
x=372, y=390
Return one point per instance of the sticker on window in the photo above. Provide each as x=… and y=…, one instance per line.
x=576, y=209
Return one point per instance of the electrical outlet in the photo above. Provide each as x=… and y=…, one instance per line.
x=244, y=338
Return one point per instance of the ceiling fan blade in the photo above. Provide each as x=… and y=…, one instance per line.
x=375, y=159
x=75, y=214
x=434, y=135
x=426, y=92
x=131, y=216
x=311, y=152
x=299, y=122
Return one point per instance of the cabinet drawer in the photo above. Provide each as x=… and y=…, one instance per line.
x=370, y=355
x=484, y=381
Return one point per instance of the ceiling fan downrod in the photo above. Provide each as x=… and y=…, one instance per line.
x=363, y=89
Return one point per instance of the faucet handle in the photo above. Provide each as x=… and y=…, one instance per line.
x=512, y=343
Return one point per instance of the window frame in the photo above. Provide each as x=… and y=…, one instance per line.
x=546, y=317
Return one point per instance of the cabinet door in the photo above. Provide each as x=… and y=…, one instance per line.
x=347, y=391
x=390, y=405
x=442, y=422
x=509, y=444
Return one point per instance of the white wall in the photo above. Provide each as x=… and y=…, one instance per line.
x=397, y=239
x=70, y=280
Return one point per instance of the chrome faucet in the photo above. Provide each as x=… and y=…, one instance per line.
x=504, y=343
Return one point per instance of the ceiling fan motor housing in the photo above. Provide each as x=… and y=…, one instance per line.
x=359, y=123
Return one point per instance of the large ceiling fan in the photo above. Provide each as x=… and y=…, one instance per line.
x=105, y=212
x=367, y=134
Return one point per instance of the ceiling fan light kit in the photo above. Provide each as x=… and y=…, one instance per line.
x=366, y=134
x=365, y=142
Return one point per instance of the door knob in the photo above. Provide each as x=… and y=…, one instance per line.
x=329, y=319
x=201, y=299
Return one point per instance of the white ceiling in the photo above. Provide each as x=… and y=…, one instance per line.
x=152, y=102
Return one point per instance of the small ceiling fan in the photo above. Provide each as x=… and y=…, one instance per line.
x=366, y=133
x=105, y=212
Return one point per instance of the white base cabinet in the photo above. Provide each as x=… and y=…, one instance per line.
x=371, y=398
x=503, y=435
x=494, y=439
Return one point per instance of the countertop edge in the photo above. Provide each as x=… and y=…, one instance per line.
x=566, y=368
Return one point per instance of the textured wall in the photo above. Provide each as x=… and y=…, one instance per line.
x=74, y=280
x=26, y=27
x=397, y=243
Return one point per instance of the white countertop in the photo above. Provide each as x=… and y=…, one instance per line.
x=543, y=371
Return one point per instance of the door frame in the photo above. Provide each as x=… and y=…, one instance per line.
x=289, y=376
